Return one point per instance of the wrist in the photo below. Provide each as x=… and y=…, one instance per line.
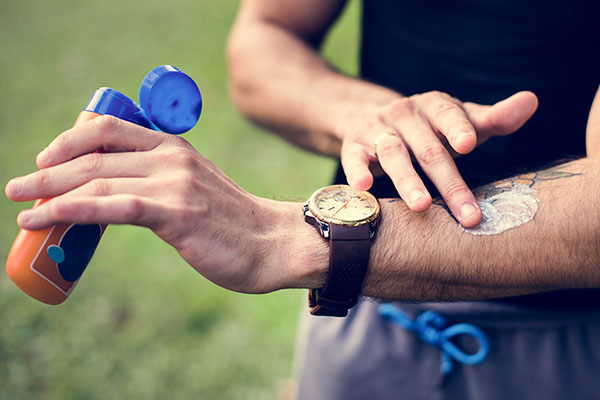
x=298, y=255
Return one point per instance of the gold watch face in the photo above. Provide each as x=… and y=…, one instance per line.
x=342, y=205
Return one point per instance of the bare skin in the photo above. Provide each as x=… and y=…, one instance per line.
x=254, y=245
x=293, y=91
x=592, y=142
x=558, y=249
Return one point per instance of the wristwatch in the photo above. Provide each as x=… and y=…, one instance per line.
x=348, y=219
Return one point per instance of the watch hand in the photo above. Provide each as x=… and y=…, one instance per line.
x=345, y=204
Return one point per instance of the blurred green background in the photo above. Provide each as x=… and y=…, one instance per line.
x=142, y=324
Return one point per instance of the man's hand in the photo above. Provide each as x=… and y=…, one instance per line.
x=160, y=181
x=337, y=114
x=432, y=128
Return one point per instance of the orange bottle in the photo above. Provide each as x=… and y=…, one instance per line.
x=49, y=278
x=47, y=264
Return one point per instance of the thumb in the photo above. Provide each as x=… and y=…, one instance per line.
x=504, y=117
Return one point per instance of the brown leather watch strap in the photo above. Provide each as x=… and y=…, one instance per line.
x=348, y=261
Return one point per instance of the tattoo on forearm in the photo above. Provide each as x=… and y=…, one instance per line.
x=528, y=179
x=510, y=202
x=504, y=185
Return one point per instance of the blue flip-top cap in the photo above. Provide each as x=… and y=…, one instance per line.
x=107, y=101
x=171, y=99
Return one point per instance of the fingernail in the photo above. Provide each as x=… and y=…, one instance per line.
x=43, y=157
x=467, y=210
x=462, y=136
x=15, y=185
x=415, y=195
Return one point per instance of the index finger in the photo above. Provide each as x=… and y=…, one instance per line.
x=105, y=132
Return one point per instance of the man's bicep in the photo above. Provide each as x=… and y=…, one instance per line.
x=308, y=19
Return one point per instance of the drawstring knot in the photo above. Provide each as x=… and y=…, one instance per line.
x=433, y=329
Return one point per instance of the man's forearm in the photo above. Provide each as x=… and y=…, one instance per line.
x=421, y=257
x=278, y=80
x=254, y=245
x=290, y=88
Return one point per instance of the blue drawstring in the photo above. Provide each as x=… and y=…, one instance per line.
x=429, y=326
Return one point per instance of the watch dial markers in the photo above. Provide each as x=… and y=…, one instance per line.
x=344, y=203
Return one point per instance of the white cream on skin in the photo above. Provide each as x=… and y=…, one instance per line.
x=506, y=210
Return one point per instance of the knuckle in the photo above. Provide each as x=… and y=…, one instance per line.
x=455, y=189
x=178, y=156
x=134, y=209
x=57, y=209
x=402, y=107
x=175, y=140
x=106, y=124
x=406, y=179
x=444, y=108
x=100, y=187
x=90, y=163
x=62, y=144
x=390, y=148
x=371, y=123
x=436, y=94
x=431, y=97
x=168, y=155
x=353, y=137
x=432, y=154
x=43, y=178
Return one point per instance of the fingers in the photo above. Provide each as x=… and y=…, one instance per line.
x=105, y=132
x=109, y=187
x=358, y=152
x=419, y=122
x=432, y=156
x=54, y=181
x=439, y=166
x=117, y=209
x=449, y=118
x=395, y=161
x=504, y=117
x=393, y=154
x=355, y=162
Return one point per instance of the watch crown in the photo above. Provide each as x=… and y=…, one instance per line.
x=313, y=220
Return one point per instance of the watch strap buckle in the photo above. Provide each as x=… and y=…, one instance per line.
x=321, y=305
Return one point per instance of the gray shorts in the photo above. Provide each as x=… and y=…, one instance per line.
x=533, y=354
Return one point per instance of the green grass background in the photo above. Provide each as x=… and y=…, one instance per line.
x=142, y=324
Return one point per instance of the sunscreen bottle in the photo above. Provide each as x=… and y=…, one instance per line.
x=47, y=264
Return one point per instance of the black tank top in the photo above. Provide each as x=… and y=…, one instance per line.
x=484, y=51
